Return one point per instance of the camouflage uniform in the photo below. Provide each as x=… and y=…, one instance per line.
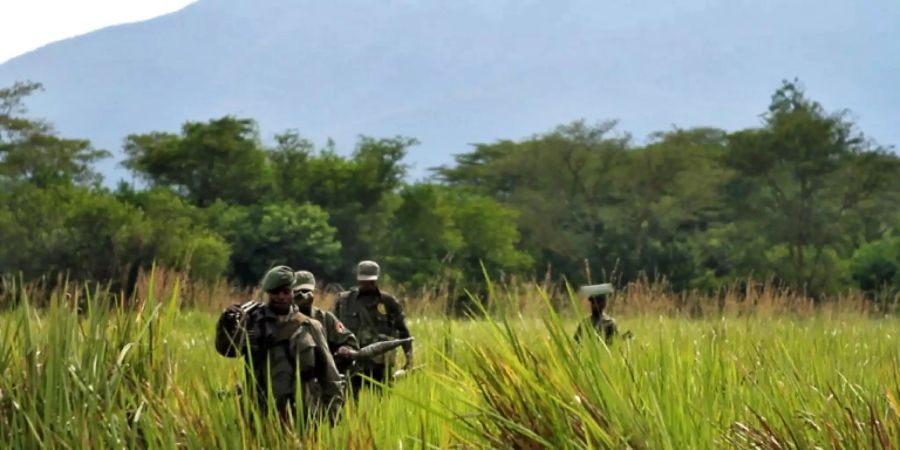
x=275, y=348
x=373, y=316
x=336, y=333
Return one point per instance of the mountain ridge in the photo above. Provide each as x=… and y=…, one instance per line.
x=453, y=73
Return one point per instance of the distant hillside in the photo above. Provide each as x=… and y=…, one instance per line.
x=453, y=72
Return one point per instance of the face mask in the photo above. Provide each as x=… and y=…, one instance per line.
x=304, y=299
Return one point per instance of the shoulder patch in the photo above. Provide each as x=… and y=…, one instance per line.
x=339, y=326
x=382, y=309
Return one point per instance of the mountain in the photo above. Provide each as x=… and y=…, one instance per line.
x=454, y=72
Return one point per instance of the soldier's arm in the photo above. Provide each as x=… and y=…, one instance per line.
x=327, y=374
x=338, y=335
x=230, y=334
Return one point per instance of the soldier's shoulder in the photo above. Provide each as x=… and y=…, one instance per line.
x=331, y=322
x=327, y=315
x=344, y=295
x=306, y=321
x=390, y=299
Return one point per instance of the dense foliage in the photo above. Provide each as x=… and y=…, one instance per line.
x=804, y=199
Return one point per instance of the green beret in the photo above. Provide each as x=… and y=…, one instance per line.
x=278, y=277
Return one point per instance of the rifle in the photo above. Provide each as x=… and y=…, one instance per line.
x=374, y=350
x=378, y=348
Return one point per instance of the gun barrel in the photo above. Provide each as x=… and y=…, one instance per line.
x=250, y=306
x=380, y=348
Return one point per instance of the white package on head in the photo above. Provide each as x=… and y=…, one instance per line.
x=595, y=289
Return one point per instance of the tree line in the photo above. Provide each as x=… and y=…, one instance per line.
x=804, y=200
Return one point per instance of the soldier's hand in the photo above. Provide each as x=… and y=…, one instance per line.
x=345, y=352
x=233, y=312
x=409, y=361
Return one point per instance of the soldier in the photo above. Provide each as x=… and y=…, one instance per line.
x=342, y=342
x=277, y=342
x=373, y=316
x=599, y=323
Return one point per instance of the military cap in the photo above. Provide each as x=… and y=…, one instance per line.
x=367, y=271
x=277, y=277
x=304, y=280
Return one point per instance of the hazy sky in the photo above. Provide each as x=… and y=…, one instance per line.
x=28, y=24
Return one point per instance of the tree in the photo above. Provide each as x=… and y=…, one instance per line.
x=560, y=183
x=92, y=234
x=490, y=236
x=70, y=230
x=32, y=223
x=292, y=161
x=217, y=160
x=441, y=234
x=667, y=196
x=175, y=234
x=423, y=237
x=876, y=266
x=583, y=193
x=358, y=192
x=263, y=236
x=30, y=151
x=803, y=179
x=804, y=198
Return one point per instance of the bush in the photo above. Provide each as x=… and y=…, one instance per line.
x=875, y=267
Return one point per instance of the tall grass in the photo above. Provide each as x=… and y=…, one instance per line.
x=754, y=382
x=753, y=369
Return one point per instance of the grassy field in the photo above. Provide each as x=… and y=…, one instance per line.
x=147, y=376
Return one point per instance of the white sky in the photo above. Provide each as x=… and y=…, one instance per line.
x=28, y=24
